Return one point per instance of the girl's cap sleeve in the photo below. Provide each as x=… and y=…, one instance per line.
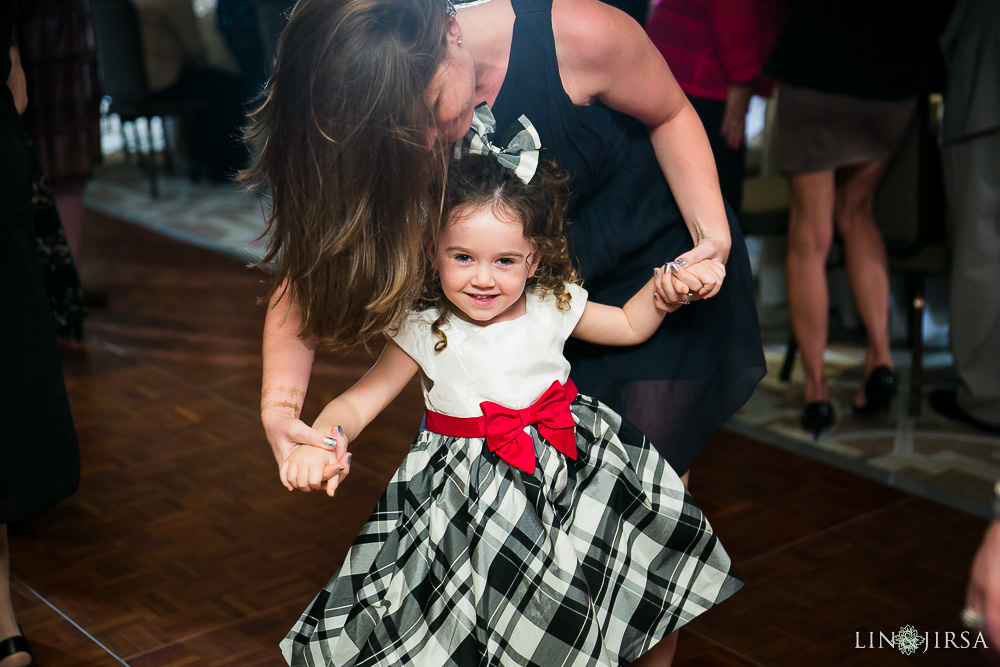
x=578, y=301
x=415, y=337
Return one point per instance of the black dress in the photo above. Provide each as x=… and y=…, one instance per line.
x=704, y=362
x=39, y=460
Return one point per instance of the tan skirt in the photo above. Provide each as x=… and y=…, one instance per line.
x=819, y=131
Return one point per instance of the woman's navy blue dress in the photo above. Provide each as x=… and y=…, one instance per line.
x=705, y=360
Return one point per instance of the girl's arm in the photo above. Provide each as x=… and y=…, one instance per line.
x=288, y=363
x=353, y=410
x=345, y=417
x=605, y=55
x=631, y=325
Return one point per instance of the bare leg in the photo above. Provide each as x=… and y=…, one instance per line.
x=865, y=255
x=8, y=624
x=810, y=235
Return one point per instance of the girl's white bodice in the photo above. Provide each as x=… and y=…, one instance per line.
x=511, y=363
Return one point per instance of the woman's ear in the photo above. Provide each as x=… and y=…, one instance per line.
x=452, y=31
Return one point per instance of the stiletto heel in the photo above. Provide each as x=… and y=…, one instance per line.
x=817, y=417
x=880, y=387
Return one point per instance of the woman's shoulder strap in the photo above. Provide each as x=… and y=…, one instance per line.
x=531, y=6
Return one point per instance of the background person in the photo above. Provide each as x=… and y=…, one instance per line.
x=849, y=73
x=39, y=459
x=971, y=161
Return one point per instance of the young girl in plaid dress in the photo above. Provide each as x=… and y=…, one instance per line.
x=528, y=524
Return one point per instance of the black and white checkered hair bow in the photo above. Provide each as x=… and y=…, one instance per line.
x=521, y=152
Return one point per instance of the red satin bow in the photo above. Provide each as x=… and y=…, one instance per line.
x=505, y=433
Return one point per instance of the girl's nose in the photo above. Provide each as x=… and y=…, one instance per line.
x=483, y=277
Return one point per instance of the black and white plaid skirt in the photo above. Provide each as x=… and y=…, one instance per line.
x=467, y=561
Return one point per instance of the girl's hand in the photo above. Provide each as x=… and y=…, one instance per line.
x=703, y=268
x=670, y=293
x=307, y=468
x=284, y=431
x=676, y=286
x=335, y=474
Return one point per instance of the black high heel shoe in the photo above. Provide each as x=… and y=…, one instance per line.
x=880, y=387
x=817, y=417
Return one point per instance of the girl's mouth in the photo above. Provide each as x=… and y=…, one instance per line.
x=483, y=299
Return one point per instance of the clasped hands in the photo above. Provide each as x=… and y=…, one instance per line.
x=695, y=275
x=308, y=459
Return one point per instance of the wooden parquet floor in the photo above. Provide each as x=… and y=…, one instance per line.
x=181, y=547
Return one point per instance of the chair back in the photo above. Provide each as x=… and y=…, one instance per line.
x=123, y=63
x=909, y=204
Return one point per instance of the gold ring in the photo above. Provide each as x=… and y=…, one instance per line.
x=972, y=619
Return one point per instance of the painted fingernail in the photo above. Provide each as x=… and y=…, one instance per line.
x=329, y=442
x=656, y=297
x=681, y=262
x=340, y=430
x=340, y=469
x=349, y=457
x=656, y=272
x=673, y=267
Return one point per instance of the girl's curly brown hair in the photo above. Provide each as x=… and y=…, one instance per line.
x=478, y=182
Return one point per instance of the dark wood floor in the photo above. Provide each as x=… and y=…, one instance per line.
x=182, y=548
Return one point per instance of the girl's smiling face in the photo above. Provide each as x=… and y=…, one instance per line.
x=484, y=262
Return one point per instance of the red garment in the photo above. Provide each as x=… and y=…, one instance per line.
x=709, y=44
x=503, y=427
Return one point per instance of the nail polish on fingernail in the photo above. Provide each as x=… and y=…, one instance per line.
x=681, y=262
x=340, y=469
x=349, y=457
x=673, y=267
x=330, y=442
x=340, y=430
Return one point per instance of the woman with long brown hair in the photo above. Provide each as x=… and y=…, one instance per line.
x=366, y=96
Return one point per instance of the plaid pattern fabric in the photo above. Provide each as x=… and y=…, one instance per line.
x=467, y=561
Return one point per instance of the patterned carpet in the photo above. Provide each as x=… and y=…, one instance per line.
x=925, y=455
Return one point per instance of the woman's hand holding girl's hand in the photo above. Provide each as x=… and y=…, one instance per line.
x=678, y=286
x=284, y=431
x=335, y=474
x=709, y=247
x=311, y=468
x=704, y=278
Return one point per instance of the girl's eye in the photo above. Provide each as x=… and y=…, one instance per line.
x=463, y=258
x=506, y=261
